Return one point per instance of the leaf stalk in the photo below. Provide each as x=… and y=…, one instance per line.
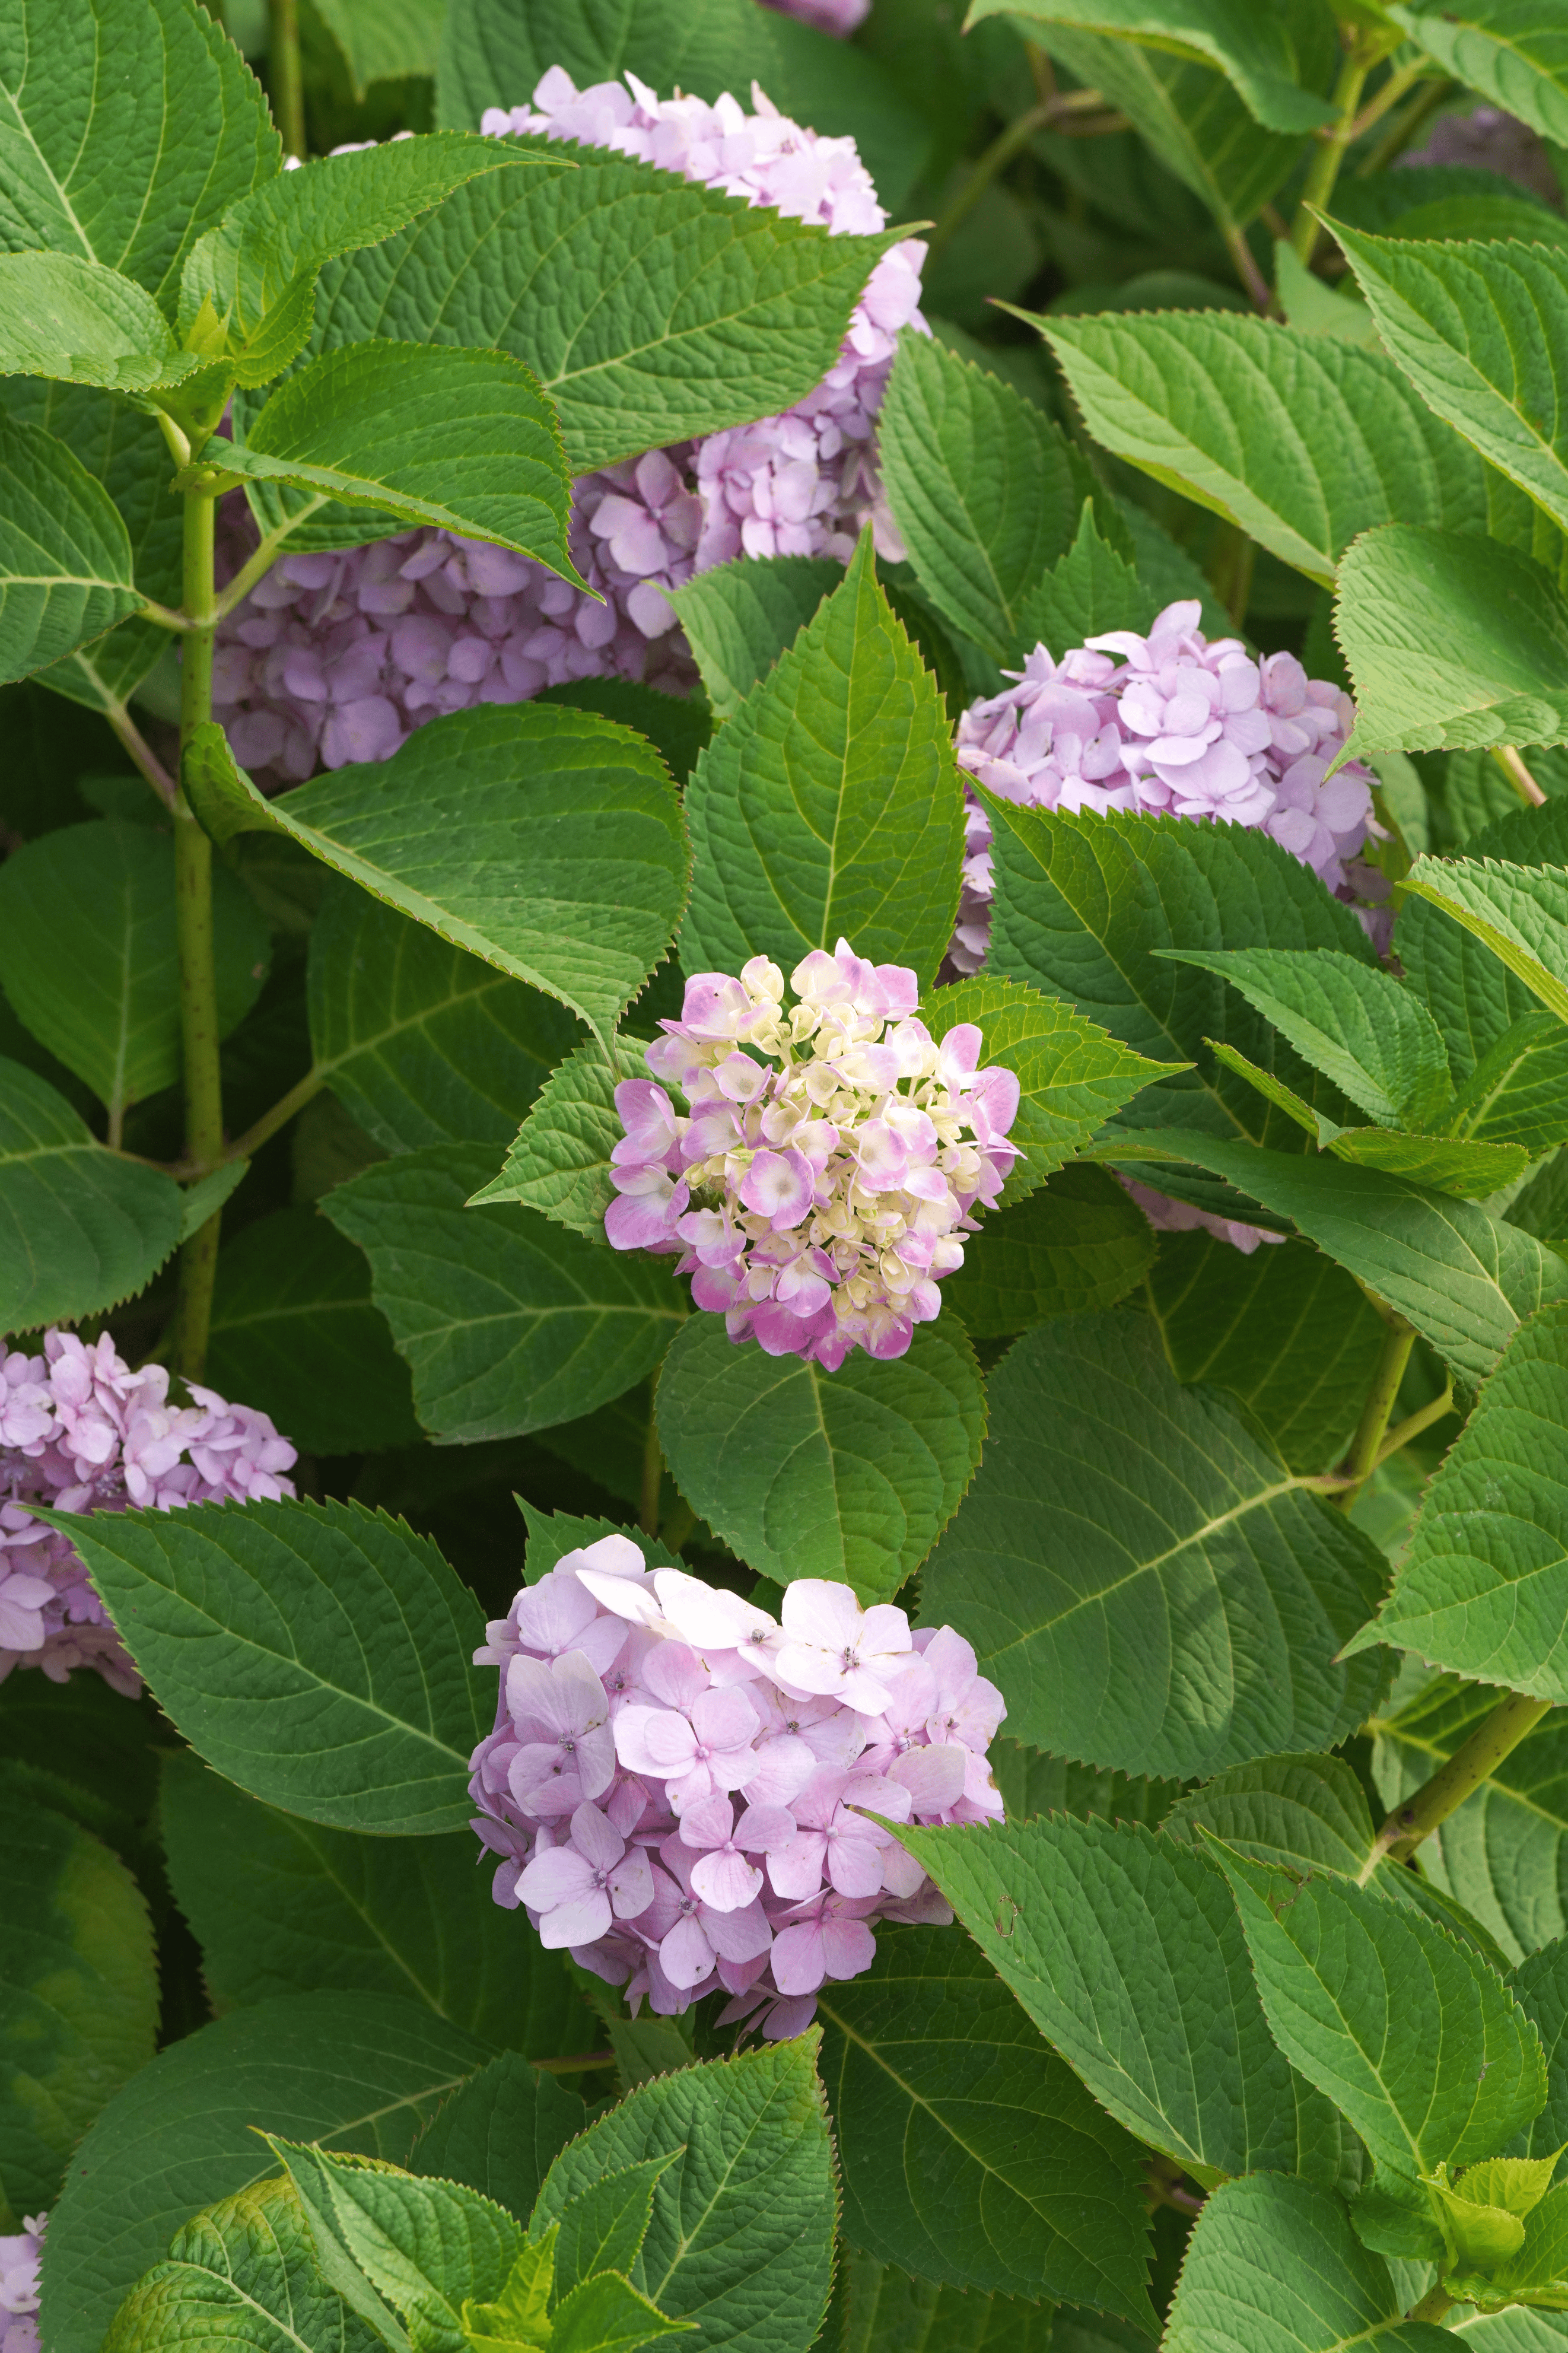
x=285, y=82
x=1365, y=1447
x=1334, y=140
x=1515, y=1716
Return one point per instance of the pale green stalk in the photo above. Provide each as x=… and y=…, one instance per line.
x=1367, y=1443
x=1512, y=1720
x=284, y=79
x=1332, y=144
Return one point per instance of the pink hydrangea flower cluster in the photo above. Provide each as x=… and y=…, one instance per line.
x=679, y=1788
x=20, y=2255
x=80, y=1431
x=830, y=1156
x=335, y=658
x=836, y=16
x=1170, y=722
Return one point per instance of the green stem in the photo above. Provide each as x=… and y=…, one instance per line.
x=248, y=1145
x=1245, y=262
x=652, y=1478
x=1402, y=130
x=284, y=80
x=1518, y=775
x=260, y=562
x=997, y=158
x=1512, y=1719
x=1413, y=1424
x=1433, y=2305
x=193, y=927
x=1361, y=1461
x=1333, y=142
x=141, y=752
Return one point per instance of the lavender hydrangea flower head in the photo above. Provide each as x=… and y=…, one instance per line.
x=20, y=2255
x=335, y=658
x=80, y=1431
x=829, y=1158
x=1171, y=722
x=836, y=16
x=712, y=1815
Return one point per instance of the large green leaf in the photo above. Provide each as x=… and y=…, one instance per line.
x=1515, y=52
x=1466, y=1280
x=1080, y=1244
x=421, y=1042
x=1139, y=1571
x=649, y=308
x=882, y=2310
x=507, y=1323
x=355, y=2071
x=849, y=1476
x=1519, y=1092
x=742, y=2236
x=371, y=425
x=1251, y=46
x=70, y=317
x=65, y=553
x=560, y=1162
x=80, y=1229
x=1072, y=1075
x=295, y=1332
x=1453, y=642
x=78, y=1993
x=548, y=842
x=830, y=806
x=1126, y=1951
x=241, y=2277
x=1520, y=912
x=250, y=1624
x=1540, y=1985
x=126, y=130
x=1410, y=2034
x=385, y=41
x=970, y=2153
x=1285, y=1330
x=253, y=277
x=1482, y=1587
x=740, y=616
x=89, y=959
x=1274, y=2267
x=984, y=488
x=281, y=1905
x=1503, y=1853
x=500, y=2132
x=1302, y=440
x=494, y=51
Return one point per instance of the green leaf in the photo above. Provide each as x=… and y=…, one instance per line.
x=1520, y=913
x=1138, y=1570
x=1083, y=906
x=78, y=1994
x=1375, y=1040
x=1032, y=1784
x=143, y=130
x=1465, y=1280
x=1268, y=429
x=1093, y=588
x=385, y=40
x=371, y=425
x=608, y=2314
x=241, y=2275
x=67, y=317
x=650, y=311
x=1072, y=1076
x=1482, y=1587
x=506, y=1322
x=742, y=2236
x=971, y=2155
x=1078, y=1245
x=205, y=1197
x=65, y=553
x=850, y=1476
x=350, y=2071
x=281, y=1905
x=1274, y=2267
x=1251, y=46
x=547, y=842
x=1412, y=2036
x=1503, y=1853
x=1512, y=51
x=254, y=278
x=1421, y=199
x=560, y=1162
x=1473, y=997
x=552, y=1535
x=1473, y=1172
x=1453, y=642
x=883, y=2310
x=1126, y=1951
x=247, y=1622
x=602, y=2230
x=421, y=1042
x=1285, y=1329
x=499, y=2132
x=740, y=616
x=90, y=960
x=984, y=488
x=294, y=1332
x=494, y=51
x=517, y=2321
x=677, y=725
x=831, y=806
x=1311, y=307
x=80, y=1229
x=1519, y=1093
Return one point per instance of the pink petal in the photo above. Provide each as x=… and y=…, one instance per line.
x=654, y=1740
x=596, y=1838
x=686, y=1955
x=630, y=1885
x=796, y=1959
x=675, y=1675
x=847, y=1947
x=933, y=1778
x=725, y=1880
x=558, y=1876
x=818, y=1613
x=795, y=1869
x=706, y=1823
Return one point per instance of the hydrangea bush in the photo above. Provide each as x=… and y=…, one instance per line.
x=783, y=1244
